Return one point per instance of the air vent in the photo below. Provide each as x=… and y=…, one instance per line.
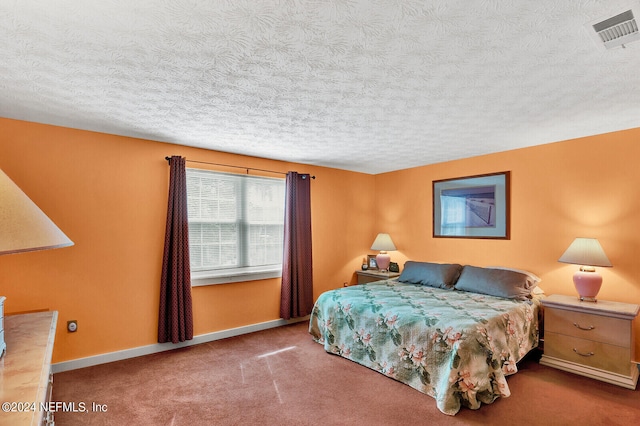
x=618, y=30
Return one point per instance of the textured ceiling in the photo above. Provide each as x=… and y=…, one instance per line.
x=363, y=85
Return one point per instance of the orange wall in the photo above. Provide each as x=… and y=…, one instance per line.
x=585, y=187
x=109, y=195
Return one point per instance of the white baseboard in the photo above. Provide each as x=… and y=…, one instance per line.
x=161, y=347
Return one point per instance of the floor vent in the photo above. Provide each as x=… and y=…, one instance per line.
x=618, y=30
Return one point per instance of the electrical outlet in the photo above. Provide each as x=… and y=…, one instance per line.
x=72, y=326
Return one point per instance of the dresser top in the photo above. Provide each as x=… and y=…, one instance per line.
x=24, y=370
x=601, y=307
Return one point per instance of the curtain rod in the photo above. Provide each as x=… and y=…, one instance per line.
x=229, y=165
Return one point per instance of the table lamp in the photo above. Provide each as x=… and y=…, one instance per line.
x=588, y=253
x=383, y=243
x=23, y=227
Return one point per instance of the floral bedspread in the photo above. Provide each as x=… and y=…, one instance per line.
x=456, y=346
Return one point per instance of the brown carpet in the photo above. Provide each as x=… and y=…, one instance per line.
x=281, y=377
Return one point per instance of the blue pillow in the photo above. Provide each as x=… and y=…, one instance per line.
x=495, y=282
x=439, y=275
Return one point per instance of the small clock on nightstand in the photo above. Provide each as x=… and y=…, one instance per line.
x=591, y=339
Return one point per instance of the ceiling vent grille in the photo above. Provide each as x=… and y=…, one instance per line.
x=617, y=31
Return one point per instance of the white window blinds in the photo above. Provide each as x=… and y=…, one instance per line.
x=236, y=226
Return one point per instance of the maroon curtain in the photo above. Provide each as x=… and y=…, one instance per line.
x=175, y=321
x=296, y=296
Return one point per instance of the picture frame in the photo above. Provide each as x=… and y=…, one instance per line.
x=371, y=260
x=472, y=206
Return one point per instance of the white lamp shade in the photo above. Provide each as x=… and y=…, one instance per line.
x=587, y=252
x=383, y=242
x=23, y=226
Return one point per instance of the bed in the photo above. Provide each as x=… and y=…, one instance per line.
x=449, y=331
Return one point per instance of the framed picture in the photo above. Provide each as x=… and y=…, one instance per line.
x=472, y=207
x=372, y=261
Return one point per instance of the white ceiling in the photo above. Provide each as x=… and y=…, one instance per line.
x=364, y=85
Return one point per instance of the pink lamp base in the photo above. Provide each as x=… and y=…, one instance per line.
x=383, y=260
x=587, y=284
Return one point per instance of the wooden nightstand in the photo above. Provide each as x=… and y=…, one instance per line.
x=372, y=275
x=591, y=339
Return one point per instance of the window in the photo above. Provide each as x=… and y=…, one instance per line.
x=236, y=227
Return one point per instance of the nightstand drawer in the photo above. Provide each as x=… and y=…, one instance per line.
x=598, y=328
x=594, y=354
x=370, y=276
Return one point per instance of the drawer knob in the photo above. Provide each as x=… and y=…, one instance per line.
x=581, y=354
x=583, y=328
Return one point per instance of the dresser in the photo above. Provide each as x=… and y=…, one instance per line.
x=3, y=345
x=372, y=275
x=591, y=339
x=25, y=369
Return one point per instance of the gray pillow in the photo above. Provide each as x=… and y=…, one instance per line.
x=495, y=282
x=440, y=275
